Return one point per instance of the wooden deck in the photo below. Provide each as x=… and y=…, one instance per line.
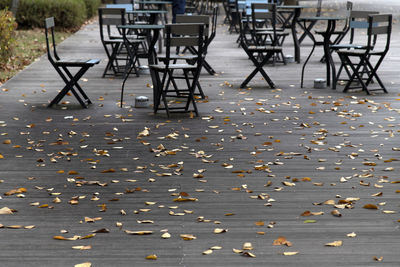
x=265, y=157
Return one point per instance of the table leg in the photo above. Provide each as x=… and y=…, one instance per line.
x=330, y=66
x=297, y=12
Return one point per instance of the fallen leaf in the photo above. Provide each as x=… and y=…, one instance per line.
x=82, y=247
x=138, y=232
x=337, y=243
x=151, y=257
x=6, y=210
x=370, y=206
x=188, y=237
x=352, y=235
x=281, y=240
x=290, y=253
x=207, y=252
x=85, y=264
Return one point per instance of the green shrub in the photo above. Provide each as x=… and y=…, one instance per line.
x=5, y=4
x=68, y=14
x=91, y=7
x=7, y=33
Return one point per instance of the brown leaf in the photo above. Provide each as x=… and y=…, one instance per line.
x=16, y=191
x=108, y=171
x=102, y=230
x=281, y=240
x=370, y=206
x=336, y=213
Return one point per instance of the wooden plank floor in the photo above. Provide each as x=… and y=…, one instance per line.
x=253, y=147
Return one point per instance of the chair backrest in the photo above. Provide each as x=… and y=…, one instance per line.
x=110, y=18
x=184, y=35
x=50, y=40
x=205, y=19
x=379, y=25
x=123, y=2
x=359, y=20
x=266, y=12
x=290, y=2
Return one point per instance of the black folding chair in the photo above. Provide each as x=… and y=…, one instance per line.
x=179, y=35
x=258, y=54
x=62, y=66
x=109, y=18
x=358, y=25
x=264, y=31
x=378, y=25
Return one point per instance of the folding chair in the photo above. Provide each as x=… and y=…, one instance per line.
x=259, y=55
x=358, y=24
x=109, y=18
x=62, y=66
x=340, y=34
x=308, y=25
x=179, y=35
x=264, y=15
x=378, y=25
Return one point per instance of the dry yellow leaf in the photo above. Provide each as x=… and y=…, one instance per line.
x=82, y=247
x=220, y=230
x=188, y=237
x=352, y=235
x=207, y=252
x=290, y=253
x=138, y=232
x=85, y=264
x=247, y=246
x=337, y=243
x=166, y=235
x=248, y=254
x=151, y=257
x=5, y=210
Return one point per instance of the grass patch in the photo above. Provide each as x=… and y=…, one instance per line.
x=30, y=45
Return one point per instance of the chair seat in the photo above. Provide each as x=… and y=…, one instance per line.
x=334, y=32
x=347, y=46
x=262, y=48
x=77, y=62
x=172, y=66
x=182, y=57
x=270, y=29
x=359, y=52
x=271, y=32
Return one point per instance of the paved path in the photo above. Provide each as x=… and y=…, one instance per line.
x=256, y=161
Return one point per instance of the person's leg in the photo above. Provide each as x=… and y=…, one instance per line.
x=178, y=7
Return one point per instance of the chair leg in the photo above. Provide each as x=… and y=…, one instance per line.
x=69, y=86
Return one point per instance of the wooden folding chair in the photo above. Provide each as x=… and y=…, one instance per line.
x=62, y=66
x=356, y=59
x=259, y=55
x=179, y=35
x=341, y=33
x=262, y=16
x=109, y=18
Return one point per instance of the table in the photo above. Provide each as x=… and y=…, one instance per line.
x=330, y=66
x=161, y=5
x=296, y=15
x=152, y=34
x=128, y=7
x=153, y=14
